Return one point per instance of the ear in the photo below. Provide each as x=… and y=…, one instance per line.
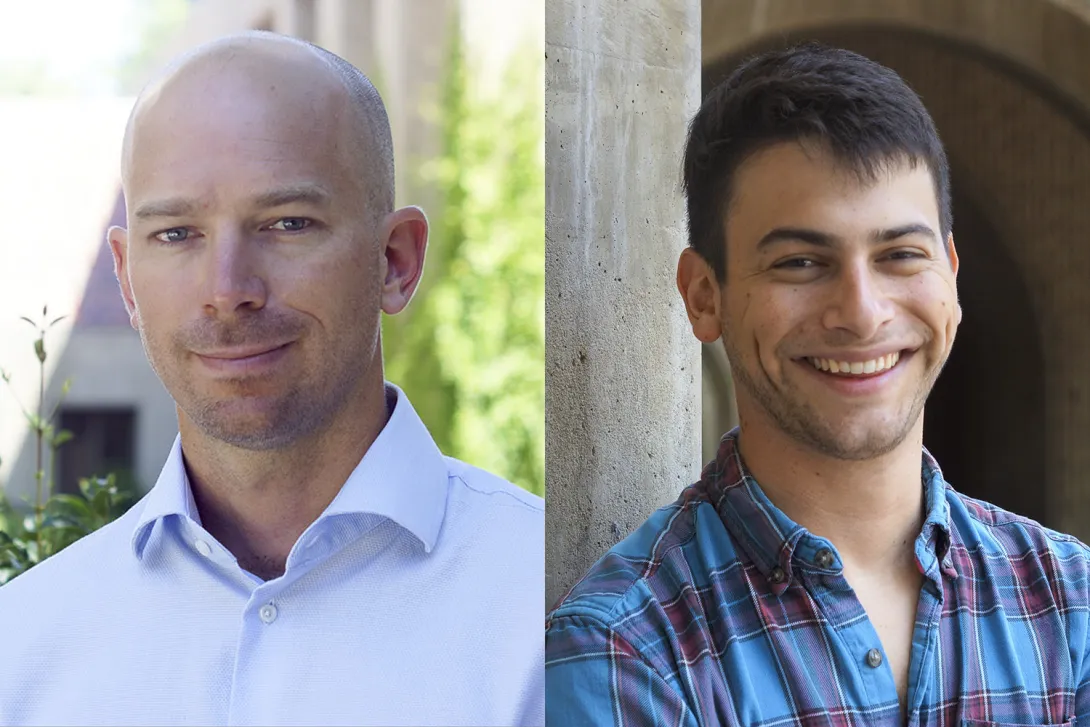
x=405, y=239
x=952, y=252
x=699, y=288
x=118, y=239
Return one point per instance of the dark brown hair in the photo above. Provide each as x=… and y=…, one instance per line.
x=859, y=110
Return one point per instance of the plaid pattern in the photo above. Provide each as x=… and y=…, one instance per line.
x=720, y=610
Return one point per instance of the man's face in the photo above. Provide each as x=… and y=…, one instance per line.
x=252, y=264
x=840, y=304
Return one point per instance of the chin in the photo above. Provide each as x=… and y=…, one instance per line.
x=252, y=423
x=857, y=439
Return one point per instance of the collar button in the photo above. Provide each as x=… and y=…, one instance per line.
x=776, y=575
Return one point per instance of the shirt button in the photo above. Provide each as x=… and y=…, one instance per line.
x=874, y=658
x=203, y=548
x=267, y=613
x=824, y=558
x=776, y=575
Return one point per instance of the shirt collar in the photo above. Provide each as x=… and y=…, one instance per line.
x=402, y=476
x=771, y=539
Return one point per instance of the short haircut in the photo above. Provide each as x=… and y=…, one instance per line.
x=370, y=125
x=368, y=104
x=860, y=111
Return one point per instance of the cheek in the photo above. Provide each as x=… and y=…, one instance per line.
x=337, y=289
x=769, y=315
x=935, y=300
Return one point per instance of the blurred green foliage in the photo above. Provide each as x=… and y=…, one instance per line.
x=56, y=520
x=470, y=350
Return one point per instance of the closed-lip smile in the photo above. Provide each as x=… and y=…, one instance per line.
x=247, y=360
x=235, y=354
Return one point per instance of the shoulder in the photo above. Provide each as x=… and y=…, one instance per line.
x=486, y=491
x=655, y=563
x=84, y=572
x=983, y=530
x=499, y=523
x=990, y=525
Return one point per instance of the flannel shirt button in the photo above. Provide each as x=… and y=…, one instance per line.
x=874, y=658
x=824, y=558
x=776, y=575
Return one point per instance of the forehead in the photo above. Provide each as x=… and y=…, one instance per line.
x=229, y=134
x=790, y=184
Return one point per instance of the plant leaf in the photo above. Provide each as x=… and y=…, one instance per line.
x=71, y=508
x=100, y=504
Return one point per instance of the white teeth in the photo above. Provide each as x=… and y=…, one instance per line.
x=856, y=367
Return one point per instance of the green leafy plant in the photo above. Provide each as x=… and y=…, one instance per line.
x=55, y=520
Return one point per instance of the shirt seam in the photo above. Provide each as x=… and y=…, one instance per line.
x=1023, y=522
x=512, y=496
x=582, y=620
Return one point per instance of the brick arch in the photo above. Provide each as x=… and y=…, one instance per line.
x=1013, y=112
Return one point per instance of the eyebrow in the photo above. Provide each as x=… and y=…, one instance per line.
x=311, y=194
x=825, y=239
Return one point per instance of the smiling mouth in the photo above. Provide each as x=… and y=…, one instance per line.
x=855, y=368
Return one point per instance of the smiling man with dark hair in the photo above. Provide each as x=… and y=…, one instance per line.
x=307, y=556
x=822, y=571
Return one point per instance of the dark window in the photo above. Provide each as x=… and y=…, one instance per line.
x=103, y=441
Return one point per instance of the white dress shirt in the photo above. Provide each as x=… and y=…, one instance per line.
x=415, y=599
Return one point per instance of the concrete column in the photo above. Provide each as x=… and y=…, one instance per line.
x=622, y=368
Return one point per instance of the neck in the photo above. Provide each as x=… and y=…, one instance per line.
x=871, y=510
x=258, y=503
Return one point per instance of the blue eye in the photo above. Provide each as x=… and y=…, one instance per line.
x=173, y=235
x=291, y=224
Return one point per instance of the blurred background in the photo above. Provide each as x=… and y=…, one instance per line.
x=1008, y=84
x=462, y=81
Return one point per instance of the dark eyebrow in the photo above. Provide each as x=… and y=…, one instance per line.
x=825, y=239
x=894, y=233
x=182, y=207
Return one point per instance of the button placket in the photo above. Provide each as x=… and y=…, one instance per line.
x=267, y=613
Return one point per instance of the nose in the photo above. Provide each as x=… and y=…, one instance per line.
x=859, y=304
x=234, y=281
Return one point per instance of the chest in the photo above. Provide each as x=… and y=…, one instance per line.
x=892, y=608
x=820, y=648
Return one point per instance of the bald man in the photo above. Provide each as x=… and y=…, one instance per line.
x=307, y=556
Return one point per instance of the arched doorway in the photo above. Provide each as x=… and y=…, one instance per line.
x=1010, y=412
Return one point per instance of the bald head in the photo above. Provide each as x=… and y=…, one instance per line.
x=280, y=71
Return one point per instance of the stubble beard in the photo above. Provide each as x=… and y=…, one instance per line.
x=286, y=418
x=802, y=422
